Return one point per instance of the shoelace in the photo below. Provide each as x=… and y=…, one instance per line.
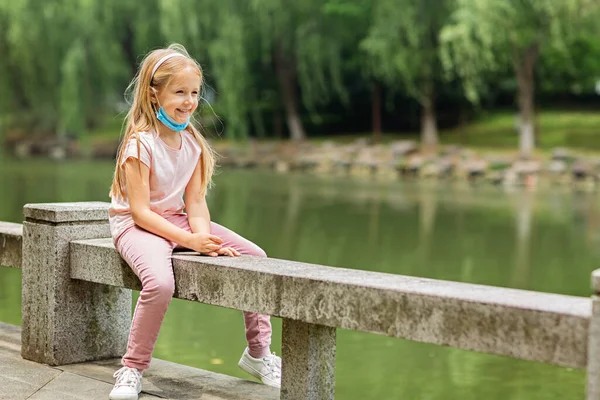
x=274, y=364
x=127, y=377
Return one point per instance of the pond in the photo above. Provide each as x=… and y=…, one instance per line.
x=537, y=240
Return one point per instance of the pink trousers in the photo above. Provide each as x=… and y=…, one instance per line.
x=149, y=256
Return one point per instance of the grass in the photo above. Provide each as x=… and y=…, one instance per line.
x=573, y=129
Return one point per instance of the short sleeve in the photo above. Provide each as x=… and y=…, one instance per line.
x=131, y=150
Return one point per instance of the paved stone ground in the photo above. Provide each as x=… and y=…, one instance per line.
x=21, y=379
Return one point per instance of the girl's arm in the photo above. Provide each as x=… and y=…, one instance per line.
x=137, y=176
x=197, y=211
x=195, y=203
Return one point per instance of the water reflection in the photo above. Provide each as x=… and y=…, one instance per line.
x=539, y=240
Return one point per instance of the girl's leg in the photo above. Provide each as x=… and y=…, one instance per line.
x=149, y=256
x=258, y=326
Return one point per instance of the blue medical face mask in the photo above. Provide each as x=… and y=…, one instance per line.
x=169, y=122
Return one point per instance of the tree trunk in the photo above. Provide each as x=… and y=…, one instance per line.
x=286, y=72
x=277, y=125
x=524, y=64
x=462, y=124
x=429, y=132
x=376, y=111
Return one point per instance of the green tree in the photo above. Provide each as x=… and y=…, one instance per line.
x=262, y=55
x=402, y=46
x=214, y=34
x=348, y=23
x=299, y=41
x=576, y=72
x=488, y=35
x=61, y=64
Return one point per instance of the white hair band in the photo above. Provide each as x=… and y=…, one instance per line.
x=162, y=60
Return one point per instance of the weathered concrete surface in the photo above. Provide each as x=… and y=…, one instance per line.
x=21, y=379
x=522, y=324
x=593, y=366
x=308, y=352
x=596, y=281
x=65, y=321
x=11, y=241
x=87, y=212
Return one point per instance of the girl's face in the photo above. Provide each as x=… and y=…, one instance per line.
x=180, y=97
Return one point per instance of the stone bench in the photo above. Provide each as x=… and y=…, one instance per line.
x=77, y=304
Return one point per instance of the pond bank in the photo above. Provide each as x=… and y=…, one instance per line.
x=404, y=160
x=400, y=159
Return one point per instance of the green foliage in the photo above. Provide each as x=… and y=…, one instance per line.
x=311, y=36
x=64, y=64
x=71, y=108
x=227, y=53
x=489, y=35
x=402, y=43
x=576, y=72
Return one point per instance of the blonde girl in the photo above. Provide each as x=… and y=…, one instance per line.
x=164, y=166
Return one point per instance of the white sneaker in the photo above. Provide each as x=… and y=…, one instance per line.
x=267, y=369
x=128, y=386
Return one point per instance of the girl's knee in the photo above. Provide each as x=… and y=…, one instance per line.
x=250, y=249
x=161, y=290
x=257, y=251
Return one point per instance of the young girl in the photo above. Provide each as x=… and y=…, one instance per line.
x=163, y=160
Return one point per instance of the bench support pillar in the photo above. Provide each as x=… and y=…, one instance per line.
x=64, y=320
x=308, y=355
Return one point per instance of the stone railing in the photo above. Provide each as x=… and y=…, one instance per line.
x=77, y=303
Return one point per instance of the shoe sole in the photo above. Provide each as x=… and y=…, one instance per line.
x=249, y=369
x=124, y=397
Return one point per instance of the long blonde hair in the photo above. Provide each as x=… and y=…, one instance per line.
x=141, y=116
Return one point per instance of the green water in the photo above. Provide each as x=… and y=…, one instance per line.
x=544, y=241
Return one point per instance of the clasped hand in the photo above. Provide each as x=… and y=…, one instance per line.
x=210, y=245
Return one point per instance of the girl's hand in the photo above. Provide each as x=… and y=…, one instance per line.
x=225, y=251
x=204, y=243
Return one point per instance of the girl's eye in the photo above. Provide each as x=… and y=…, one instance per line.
x=180, y=92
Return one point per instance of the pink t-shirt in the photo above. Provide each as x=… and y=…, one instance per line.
x=170, y=172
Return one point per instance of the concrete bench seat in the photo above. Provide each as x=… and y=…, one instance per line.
x=11, y=240
x=536, y=326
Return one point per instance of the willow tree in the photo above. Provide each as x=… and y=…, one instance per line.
x=27, y=40
x=215, y=34
x=6, y=92
x=345, y=26
x=300, y=41
x=487, y=35
x=248, y=45
x=137, y=27
x=403, y=51
x=60, y=62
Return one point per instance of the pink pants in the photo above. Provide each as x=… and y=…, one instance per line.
x=149, y=256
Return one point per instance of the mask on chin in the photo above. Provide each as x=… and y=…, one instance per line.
x=169, y=122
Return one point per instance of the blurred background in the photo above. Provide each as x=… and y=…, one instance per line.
x=450, y=139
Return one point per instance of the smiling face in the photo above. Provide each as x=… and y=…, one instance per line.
x=179, y=98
